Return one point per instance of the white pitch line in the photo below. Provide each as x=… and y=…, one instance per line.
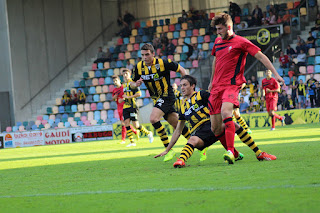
x=164, y=190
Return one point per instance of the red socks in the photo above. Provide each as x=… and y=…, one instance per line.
x=124, y=133
x=273, y=119
x=222, y=140
x=133, y=129
x=230, y=130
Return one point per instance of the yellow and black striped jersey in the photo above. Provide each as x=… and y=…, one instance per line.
x=128, y=91
x=177, y=104
x=156, y=77
x=195, y=109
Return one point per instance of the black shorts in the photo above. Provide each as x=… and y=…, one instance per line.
x=204, y=133
x=166, y=105
x=130, y=113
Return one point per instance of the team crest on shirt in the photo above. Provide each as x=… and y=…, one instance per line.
x=157, y=66
x=230, y=47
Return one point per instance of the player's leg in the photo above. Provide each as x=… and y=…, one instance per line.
x=124, y=130
x=127, y=118
x=226, y=114
x=155, y=117
x=143, y=130
x=172, y=119
x=241, y=121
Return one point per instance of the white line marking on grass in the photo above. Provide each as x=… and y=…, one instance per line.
x=164, y=190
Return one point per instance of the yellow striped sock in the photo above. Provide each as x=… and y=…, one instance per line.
x=186, y=152
x=246, y=138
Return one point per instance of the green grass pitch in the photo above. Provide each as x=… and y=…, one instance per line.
x=108, y=177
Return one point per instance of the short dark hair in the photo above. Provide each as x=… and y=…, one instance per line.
x=222, y=18
x=126, y=70
x=190, y=79
x=148, y=46
x=115, y=76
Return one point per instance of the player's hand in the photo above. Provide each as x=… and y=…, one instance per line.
x=210, y=87
x=139, y=82
x=268, y=90
x=279, y=79
x=161, y=154
x=125, y=96
x=120, y=100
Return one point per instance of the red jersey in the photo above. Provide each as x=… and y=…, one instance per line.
x=119, y=92
x=284, y=59
x=231, y=59
x=271, y=84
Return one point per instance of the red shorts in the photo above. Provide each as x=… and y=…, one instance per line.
x=221, y=94
x=271, y=104
x=120, y=113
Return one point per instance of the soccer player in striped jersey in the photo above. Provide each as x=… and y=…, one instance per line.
x=195, y=110
x=155, y=73
x=117, y=94
x=178, y=96
x=130, y=108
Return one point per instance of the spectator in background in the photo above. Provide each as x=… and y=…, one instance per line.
x=263, y=106
x=255, y=83
x=243, y=106
x=257, y=15
x=311, y=86
x=129, y=65
x=120, y=21
x=318, y=93
x=234, y=10
x=251, y=108
x=284, y=60
x=195, y=52
x=287, y=18
x=190, y=50
x=250, y=87
x=289, y=104
x=101, y=56
x=128, y=18
x=293, y=70
x=81, y=97
x=272, y=19
x=264, y=20
x=201, y=55
x=156, y=42
x=242, y=25
x=301, y=47
x=66, y=99
x=301, y=58
x=170, y=48
x=290, y=52
x=184, y=15
x=300, y=40
x=273, y=10
x=311, y=41
x=250, y=21
x=256, y=100
x=294, y=85
x=301, y=94
x=245, y=96
x=282, y=100
x=74, y=99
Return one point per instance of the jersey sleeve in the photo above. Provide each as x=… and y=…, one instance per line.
x=276, y=84
x=171, y=65
x=135, y=75
x=213, y=52
x=181, y=116
x=205, y=96
x=249, y=47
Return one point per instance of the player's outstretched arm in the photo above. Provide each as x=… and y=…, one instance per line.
x=135, y=84
x=183, y=71
x=266, y=62
x=175, y=136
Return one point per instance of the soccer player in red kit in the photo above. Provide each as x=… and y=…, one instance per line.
x=117, y=96
x=230, y=53
x=271, y=88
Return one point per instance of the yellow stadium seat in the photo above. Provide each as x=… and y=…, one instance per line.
x=58, y=101
x=165, y=28
x=290, y=5
x=180, y=41
x=132, y=61
x=170, y=35
x=178, y=49
x=173, y=20
x=91, y=74
x=130, y=47
x=159, y=29
x=116, y=71
x=106, y=65
x=132, y=39
x=202, y=31
x=303, y=11
x=205, y=46
x=134, y=32
x=184, y=26
x=176, y=57
x=149, y=23
x=194, y=40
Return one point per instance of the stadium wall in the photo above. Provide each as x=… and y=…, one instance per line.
x=46, y=39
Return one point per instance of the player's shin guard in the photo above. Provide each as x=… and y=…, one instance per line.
x=143, y=129
x=130, y=134
x=162, y=133
x=229, y=133
x=246, y=138
x=242, y=123
x=186, y=132
x=123, y=133
x=186, y=152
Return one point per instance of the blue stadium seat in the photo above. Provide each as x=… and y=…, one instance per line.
x=178, y=27
x=61, y=109
x=182, y=64
x=67, y=124
x=89, y=82
x=140, y=31
x=185, y=49
x=113, y=64
x=161, y=22
x=108, y=80
x=80, y=123
x=97, y=74
x=74, y=108
x=57, y=121
x=189, y=33
x=317, y=69
x=176, y=34
x=211, y=45
x=76, y=84
x=134, y=54
x=317, y=59
x=59, y=116
x=96, y=98
x=50, y=121
x=139, y=53
x=18, y=123
x=280, y=71
x=15, y=128
x=143, y=24
x=302, y=77
x=64, y=116
x=187, y=40
x=119, y=64
x=100, y=106
x=110, y=72
x=111, y=49
x=92, y=90
x=200, y=39
x=188, y=64
x=89, y=99
x=45, y=117
x=113, y=105
x=109, y=97
x=145, y=38
x=100, y=66
x=97, y=115
x=126, y=40
x=310, y=61
x=183, y=57
x=34, y=127
x=286, y=80
x=110, y=114
x=143, y=86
